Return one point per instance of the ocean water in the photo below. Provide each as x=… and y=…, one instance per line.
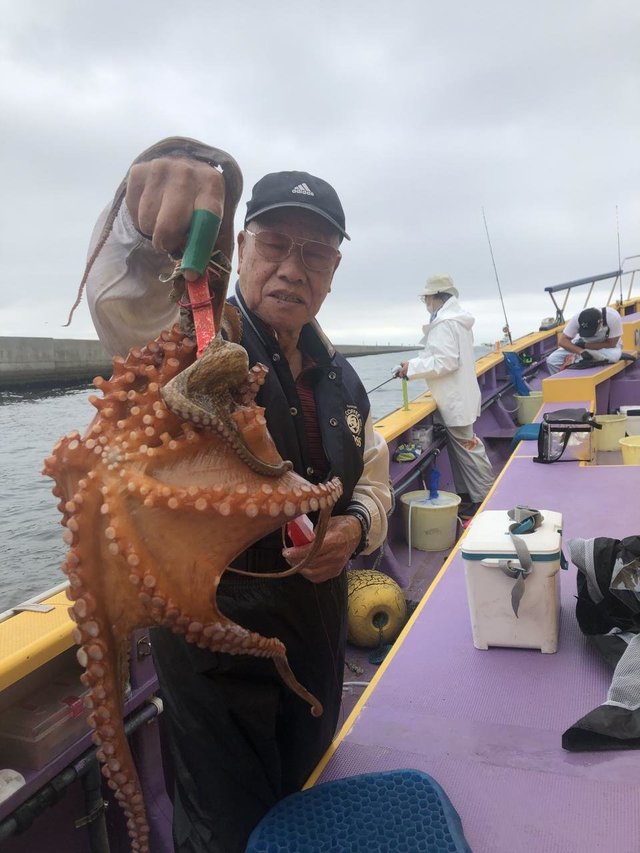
x=31, y=422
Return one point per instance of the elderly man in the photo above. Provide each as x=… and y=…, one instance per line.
x=594, y=335
x=240, y=740
x=448, y=365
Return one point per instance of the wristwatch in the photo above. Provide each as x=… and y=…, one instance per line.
x=359, y=511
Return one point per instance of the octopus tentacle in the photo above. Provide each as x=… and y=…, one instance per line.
x=102, y=656
x=307, y=560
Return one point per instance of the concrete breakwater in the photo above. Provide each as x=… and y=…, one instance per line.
x=49, y=361
x=355, y=350
x=53, y=361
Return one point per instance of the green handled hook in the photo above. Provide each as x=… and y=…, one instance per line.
x=201, y=241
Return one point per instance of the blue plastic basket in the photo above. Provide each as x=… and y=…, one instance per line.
x=398, y=811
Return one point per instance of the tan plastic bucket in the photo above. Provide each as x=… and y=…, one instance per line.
x=430, y=525
x=633, y=419
x=630, y=447
x=613, y=429
x=528, y=407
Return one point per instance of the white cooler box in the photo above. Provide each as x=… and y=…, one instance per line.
x=486, y=546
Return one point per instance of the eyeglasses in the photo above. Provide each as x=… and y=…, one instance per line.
x=275, y=247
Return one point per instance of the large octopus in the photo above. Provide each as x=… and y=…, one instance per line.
x=175, y=476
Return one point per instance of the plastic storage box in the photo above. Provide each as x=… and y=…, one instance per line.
x=38, y=727
x=490, y=559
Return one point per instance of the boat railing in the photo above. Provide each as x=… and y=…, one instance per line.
x=621, y=279
x=35, y=604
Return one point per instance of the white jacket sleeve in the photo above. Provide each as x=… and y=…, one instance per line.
x=372, y=489
x=440, y=357
x=128, y=303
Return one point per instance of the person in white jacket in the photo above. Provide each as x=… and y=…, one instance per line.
x=448, y=365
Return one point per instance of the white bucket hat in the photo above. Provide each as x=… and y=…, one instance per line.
x=439, y=284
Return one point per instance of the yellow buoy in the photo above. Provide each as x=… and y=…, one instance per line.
x=377, y=608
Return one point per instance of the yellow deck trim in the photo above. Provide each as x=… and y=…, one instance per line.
x=572, y=385
x=398, y=422
x=28, y=640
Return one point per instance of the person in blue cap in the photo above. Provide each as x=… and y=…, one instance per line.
x=240, y=739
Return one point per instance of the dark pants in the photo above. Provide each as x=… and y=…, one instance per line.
x=240, y=740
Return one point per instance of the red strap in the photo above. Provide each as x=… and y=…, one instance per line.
x=201, y=303
x=300, y=530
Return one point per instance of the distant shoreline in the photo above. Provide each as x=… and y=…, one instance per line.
x=26, y=362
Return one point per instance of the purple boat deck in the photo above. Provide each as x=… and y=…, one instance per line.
x=487, y=725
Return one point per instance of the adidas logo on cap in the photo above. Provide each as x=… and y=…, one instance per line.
x=303, y=189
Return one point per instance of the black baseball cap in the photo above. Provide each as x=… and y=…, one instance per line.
x=588, y=321
x=296, y=189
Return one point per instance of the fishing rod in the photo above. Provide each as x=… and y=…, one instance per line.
x=504, y=310
x=619, y=262
x=390, y=379
x=395, y=374
x=405, y=389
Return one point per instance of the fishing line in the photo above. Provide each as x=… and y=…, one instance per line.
x=504, y=310
x=619, y=262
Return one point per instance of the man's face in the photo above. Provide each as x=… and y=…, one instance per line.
x=285, y=295
x=432, y=303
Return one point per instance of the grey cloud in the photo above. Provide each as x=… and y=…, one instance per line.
x=420, y=114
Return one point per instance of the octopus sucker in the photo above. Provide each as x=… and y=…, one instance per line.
x=175, y=477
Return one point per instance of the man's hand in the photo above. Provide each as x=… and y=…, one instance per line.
x=402, y=370
x=566, y=343
x=340, y=541
x=163, y=193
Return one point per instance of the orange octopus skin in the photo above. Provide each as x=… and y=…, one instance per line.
x=156, y=503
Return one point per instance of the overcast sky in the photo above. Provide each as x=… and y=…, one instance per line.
x=420, y=114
